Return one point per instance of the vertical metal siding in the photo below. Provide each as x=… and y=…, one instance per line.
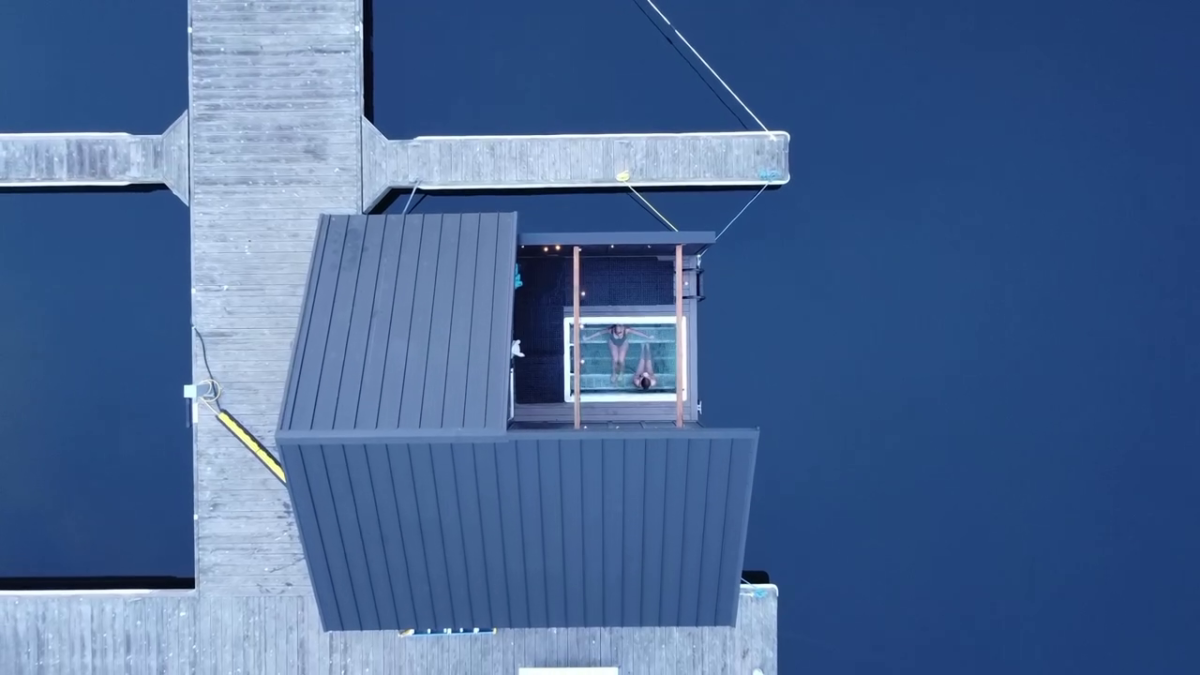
x=460, y=321
x=553, y=531
x=347, y=521
x=475, y=583
x=407, y=323
x=307, y=364
x=414, y=378
x=395, y=553
x=500, y=341
x=345, y=286
x=590, y=491
x=311, y=536
x=674, y=516
x=392, y=364
x=362, y=316
x=612, y=494
x=491, y=282
x=424, y=597
x=450, y=510
x=720, y=454
x=737, y=523
x=550, y=491
x=695, y=506
x=496, y=567
x=508, y=505
x=532, y=530
x=654, y=517
x=633, y=531
x=328, y=530
x=358, y=474
x=431, y=521
x=379, y=328
x=300, y=341
x=570, y=453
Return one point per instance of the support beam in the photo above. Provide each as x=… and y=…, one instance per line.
x=680, y=361
x=578, y=353
x=572, y=161
x=97, y=159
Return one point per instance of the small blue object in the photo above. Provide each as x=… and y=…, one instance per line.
x=769, y=174
x=519, y=282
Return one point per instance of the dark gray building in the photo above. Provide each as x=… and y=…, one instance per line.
x=436, y=476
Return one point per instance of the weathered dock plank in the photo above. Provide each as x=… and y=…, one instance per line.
x=218, y=634
x=572, y=161
x=97, y=159
x=265, y=165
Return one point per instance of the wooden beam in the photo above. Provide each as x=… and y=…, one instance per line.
x=578, y=353
x=680, y=362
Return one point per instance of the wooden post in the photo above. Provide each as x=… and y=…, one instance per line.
x=680, y=362
x=578, y=353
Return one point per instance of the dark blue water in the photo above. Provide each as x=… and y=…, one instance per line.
x=978, y=387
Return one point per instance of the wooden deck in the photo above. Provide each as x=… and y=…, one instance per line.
x=572, y=161
x=97, y=159
x=275, y=113
x=217, y=635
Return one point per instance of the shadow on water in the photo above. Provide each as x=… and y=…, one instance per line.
x=81, y=189
x=541, y=192
x=97, y=583
x=368, y=27
x=401, y=194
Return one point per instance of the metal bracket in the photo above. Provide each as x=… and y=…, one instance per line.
x=698, y=290
x=194, y=393
x=193, y=402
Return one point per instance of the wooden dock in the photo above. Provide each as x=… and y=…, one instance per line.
x=97, y=159
x=274, y=137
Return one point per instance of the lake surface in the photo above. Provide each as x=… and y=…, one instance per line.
x=968, y=327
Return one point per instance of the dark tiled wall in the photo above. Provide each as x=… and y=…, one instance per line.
x=537, y=310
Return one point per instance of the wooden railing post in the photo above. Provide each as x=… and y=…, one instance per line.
x=578, y=352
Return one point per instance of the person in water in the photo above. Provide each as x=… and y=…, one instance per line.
x=618, y=346
x=643, y=376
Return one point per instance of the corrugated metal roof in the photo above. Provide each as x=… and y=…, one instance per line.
x=528, y=529
x=406, y=324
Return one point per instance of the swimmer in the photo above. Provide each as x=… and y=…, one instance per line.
x=643, y=376
x=618, y=346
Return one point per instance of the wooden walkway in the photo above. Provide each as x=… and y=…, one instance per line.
x=276, y=139
x=219, y=635
x=97, y=159
x=572, y=161
x=275, y=113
